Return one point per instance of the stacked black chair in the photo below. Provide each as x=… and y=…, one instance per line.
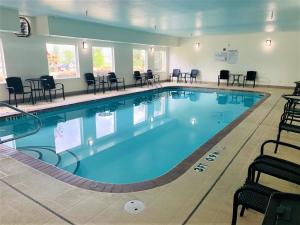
x=290, y=115
x=251, y=195
x=48, y=84
x=224, y=75
x=250, y=76
x=176, y=74
x=151, y=78
x=297, y=88
x=15, y=87
x=137, y=78
x=112, y=79
x=90, y=81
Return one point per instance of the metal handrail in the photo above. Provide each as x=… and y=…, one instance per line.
x=39, y=123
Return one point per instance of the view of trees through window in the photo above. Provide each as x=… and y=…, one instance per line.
x=102, y=60
x=139, y=60
x=2, y=66
x=62, y=60
x=160, y=61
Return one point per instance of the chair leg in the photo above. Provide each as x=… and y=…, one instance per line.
x=9, y=98
x=234, y=213
x=254, y=84
x=23, y=98
x=242, y=211
x=63, y=93
x=54, y=93
x=227, y=82
x=50, y=95
x=16, y=102
x=278, y=138
x=94, y=89
x=31, y=97
x=218, y=81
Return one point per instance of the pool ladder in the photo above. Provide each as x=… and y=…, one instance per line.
x=37, y=119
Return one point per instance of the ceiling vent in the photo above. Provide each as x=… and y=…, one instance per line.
x=25, y=29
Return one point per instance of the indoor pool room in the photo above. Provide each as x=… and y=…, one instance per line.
x=163, y=112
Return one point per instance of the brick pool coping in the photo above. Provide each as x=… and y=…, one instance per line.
x=173, y=174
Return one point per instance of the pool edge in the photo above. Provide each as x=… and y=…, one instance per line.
x=172, y=175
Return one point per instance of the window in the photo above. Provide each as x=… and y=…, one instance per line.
x=2, y=65
x=139, y=60
x=160, y=61
x=102, y=60
x=62, y=61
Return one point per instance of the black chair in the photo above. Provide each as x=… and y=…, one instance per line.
x=90, y=81
x=112, y=79
x=286, y=122
x=274, y=166
x=151, y=78
x=250, y=76
x=49, y=85
x=176, y=73
x=15, y=87
x=297, y=88
x=137, y=78
x=251, y=195
x=224, y=75
x=193, y=75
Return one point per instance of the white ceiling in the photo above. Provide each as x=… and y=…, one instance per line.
x=181, y=18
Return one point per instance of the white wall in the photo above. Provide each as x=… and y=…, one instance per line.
x=26, y=57
x=276, y=65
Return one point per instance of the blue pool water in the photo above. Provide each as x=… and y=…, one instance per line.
x=133, y=138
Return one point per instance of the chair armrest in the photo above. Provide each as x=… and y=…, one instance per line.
x=28, y=87
x=10, y=88
x=61, y=84
x=279, y=143
x=93, y=81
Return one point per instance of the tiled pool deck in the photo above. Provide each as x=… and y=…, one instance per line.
x=31, y=197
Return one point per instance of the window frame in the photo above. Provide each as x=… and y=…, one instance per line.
x=145, y=61
x=77, y=76
x=112, y=55
x=2, y=58
x=165, y=67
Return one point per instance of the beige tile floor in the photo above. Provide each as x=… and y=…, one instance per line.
x=30, y=197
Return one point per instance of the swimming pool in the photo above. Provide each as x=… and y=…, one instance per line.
x=133, y=138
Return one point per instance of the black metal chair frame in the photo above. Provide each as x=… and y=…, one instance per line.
x=274, y=166
x=250, y=76
x=90, y=81
x=193, y=75
x=113, y=79
x=286, y=121
x=49, y=85
x=251, y=195
x=12, y=90
x=224, y=75
x=176, y=73
x=151, y=78
x=137, y=78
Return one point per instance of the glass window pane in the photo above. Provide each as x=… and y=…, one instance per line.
x=62, y=60
x=160, y=61
x=139, y=60
x=2, y=65
x=102, y=60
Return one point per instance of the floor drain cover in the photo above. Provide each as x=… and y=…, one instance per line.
x=134, y=206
